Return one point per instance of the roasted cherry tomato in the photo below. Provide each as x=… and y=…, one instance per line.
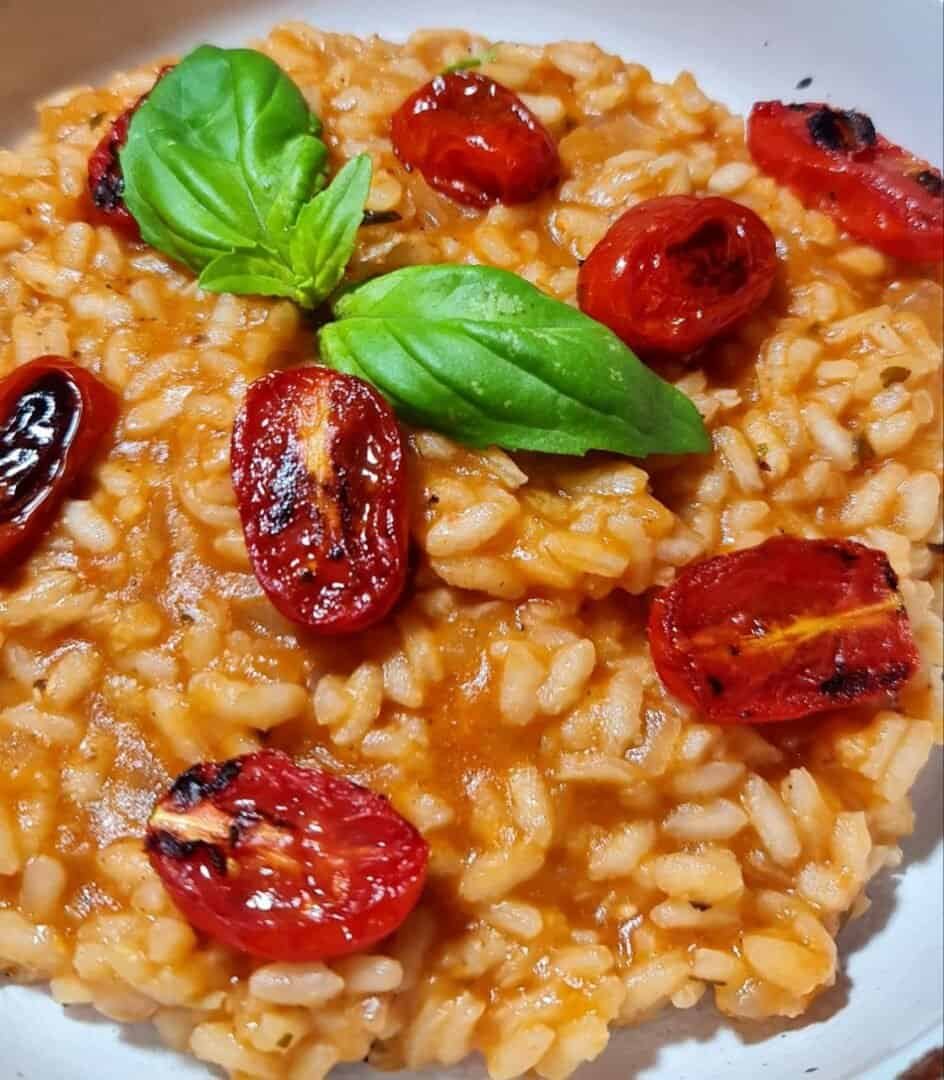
x=53, y=416
x=105, y=180
x=675, y=271
x=475, y=141
x=782, y=630
x=285, y=862
x=835, y=161
x=319, y=472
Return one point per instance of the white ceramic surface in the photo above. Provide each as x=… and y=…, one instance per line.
x=883, y=56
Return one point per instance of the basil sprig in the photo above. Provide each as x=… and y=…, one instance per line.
x=482, y=355
x=221, y=169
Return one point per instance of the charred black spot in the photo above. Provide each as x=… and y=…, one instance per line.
x=763, y=466
x=841, y=130
x=306, y=575
x=109, y=190
x=34, y=437
x=433, y=499
x=345, y=503
x=717, y=686
x=846, y=685
x=891, y=578
x=931, y=180
x=203, y=781
x=166, y=844
x=380, y=217
x=734, y=650
x=242, y=823
x=286, y=489
x=698, y=906
x=336, y=552
x=806, y=81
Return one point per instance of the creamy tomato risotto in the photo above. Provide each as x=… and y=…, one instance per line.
x=472, y=541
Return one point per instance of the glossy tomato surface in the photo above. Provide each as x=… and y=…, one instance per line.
x=53, y=417
x=475, y=141
x=318, y=467
x=675, y=271
x=783, y=630
x=106, y=182
x=836, y=161
x=283, y=861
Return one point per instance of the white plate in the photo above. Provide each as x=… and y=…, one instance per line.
x=883, y=56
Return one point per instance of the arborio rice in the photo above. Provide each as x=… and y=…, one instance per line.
x=596, y=852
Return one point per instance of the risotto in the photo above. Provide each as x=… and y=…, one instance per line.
x=596, y=848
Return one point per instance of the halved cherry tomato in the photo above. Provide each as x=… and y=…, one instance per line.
x=835, y=161
x=285, y=862
x=782, y=630
x=53, y=415
x=475, y=141
x=675, y=271
x=319, y=472
x=105, y=180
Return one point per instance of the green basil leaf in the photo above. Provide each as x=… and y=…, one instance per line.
x=221, y=157
x=326, y=231
x=468, y=62
x=250, y=275
x=484, y=356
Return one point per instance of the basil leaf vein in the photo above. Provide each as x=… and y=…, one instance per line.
x=487, y=358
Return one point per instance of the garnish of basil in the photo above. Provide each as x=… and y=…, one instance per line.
x=222, y=170
x=483, y=356
x=474, y=61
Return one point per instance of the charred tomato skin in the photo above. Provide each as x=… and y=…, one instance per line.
x=106, y=183
x=319, y=470
x=783, y=630
x=475, y=141
x=675, y=271
x=53, y=417
x=285, y=862
x=836, y=162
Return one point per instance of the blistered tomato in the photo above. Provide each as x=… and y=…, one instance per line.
x=782, y=630
x=318, y=467
x=836, y=161
x=53, y=417
x=283, y=861
x=475, y=141
x=105, y=180
x=676, y=271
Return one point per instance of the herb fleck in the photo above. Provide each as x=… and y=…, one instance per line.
x=806, y=81
x=467, y=62
x=380, y=217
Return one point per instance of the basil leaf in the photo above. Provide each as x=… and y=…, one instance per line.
x=468, y=62
x=484, y=356
x=250, y=275
x=221, y=157
x=326, y=231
